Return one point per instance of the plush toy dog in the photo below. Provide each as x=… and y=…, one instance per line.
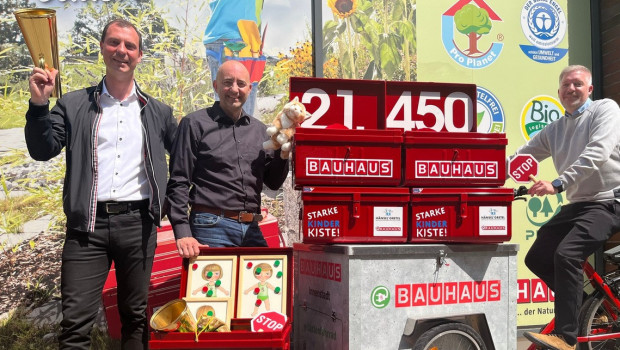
x=283, y=127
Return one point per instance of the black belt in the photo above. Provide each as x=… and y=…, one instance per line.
x=241, y=216
x=113, y=207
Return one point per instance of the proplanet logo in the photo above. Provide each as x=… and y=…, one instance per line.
x=468, y=36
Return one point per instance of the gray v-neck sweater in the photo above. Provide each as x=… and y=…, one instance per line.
x=585, y=149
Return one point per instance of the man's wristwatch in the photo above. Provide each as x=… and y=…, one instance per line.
x=558, y=185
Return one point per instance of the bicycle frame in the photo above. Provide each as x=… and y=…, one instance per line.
x=610, y=298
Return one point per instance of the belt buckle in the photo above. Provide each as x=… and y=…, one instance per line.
x=241, y=213
x=114, y=208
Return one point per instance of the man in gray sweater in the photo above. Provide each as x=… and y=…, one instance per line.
x=585, y=148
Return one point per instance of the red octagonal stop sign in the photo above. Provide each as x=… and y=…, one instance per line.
x=270, y=321
x=522, y=167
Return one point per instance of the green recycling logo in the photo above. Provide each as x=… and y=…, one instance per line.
x=542, y=209
x=380, y=297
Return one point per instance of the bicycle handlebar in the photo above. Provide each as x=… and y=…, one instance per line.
x=520, y=192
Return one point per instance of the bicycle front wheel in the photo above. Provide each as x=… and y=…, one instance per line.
x=598, y=317
x=450, y=336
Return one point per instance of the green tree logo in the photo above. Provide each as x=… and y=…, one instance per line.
x=540, y=210
x=474, y=22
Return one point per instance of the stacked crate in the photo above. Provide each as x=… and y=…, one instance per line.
x=387, y=185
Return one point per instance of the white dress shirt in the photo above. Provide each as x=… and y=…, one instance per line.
x=120, y=154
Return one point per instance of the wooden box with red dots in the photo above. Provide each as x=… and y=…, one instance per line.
x=235, y=284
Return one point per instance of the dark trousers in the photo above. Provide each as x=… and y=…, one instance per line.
x=129, y=240
x=562, y=246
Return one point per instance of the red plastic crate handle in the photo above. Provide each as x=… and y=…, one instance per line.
x=463, y=206
x=356, y=205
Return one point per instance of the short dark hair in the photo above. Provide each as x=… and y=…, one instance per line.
x=123, y=24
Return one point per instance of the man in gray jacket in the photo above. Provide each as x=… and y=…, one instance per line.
x=585, y=148
x=115, y=138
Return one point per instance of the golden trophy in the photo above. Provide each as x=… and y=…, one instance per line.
x=173, y=316
x=176, y=316
x=38, y=26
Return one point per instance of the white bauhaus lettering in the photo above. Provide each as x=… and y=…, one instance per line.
x=464, y=292
x=448, y=169
x=349, y=167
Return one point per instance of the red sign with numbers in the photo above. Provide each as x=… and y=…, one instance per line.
x=356, y=104
x=430, y=106
x=372, y=104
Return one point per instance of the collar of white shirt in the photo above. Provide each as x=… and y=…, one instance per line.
x=133, y=96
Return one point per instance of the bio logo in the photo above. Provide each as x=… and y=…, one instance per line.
x=539, y=112
x=544, y=25
x=465, y=30
x=490, y=112
x=380, y=297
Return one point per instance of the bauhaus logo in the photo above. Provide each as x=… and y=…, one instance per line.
x=321, y=269
x=349, y=167
x=456, y=169
x=423, y=294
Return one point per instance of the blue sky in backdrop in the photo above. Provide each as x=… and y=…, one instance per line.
x=288, y=21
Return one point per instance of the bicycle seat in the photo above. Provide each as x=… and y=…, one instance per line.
x=613, y=254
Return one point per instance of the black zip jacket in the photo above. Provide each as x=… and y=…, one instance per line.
x=73, y=123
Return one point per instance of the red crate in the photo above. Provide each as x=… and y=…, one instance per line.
x=166, y=249
x=461, y=215
x=347, y=157
x=159, y=294
x=240, y=336
x=355, y=214
x=271, y=231
x=454, y=159
x=165, y=275
x=237, y=340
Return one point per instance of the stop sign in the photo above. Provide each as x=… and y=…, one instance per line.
x=270, y=321
x=522, y=167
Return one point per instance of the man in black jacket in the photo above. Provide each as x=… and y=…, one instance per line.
x=116, y=138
